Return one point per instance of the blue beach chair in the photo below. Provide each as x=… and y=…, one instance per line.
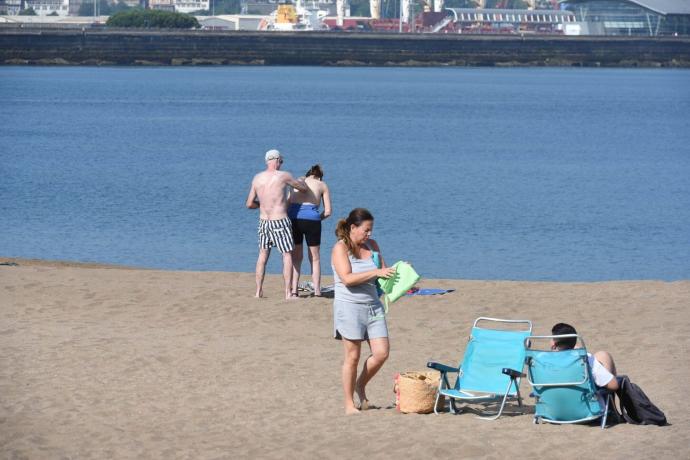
x=563, y=386
x=491, y=367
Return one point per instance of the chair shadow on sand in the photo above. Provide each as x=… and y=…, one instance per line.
x=481, y=410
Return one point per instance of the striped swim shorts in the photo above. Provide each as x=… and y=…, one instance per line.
x=276, y=233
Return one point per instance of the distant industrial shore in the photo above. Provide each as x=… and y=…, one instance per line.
x=46, y=46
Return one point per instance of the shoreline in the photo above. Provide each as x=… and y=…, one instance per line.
x=31, y=262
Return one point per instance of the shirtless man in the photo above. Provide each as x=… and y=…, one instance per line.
x=269, y=194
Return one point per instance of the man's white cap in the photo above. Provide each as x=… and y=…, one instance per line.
x=273, y=154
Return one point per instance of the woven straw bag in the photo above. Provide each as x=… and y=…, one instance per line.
x=416, y=392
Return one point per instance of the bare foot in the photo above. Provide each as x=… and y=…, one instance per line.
x=363, y=401
x=351, y=411
x=259, y=294
x=292, y=296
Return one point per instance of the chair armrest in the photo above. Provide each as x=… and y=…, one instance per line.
x=441, y=367
x=512, y=373
x=603, y=391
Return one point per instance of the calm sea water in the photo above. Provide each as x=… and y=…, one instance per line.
x=525, y=174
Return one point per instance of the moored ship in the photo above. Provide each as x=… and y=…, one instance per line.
x=290, y=17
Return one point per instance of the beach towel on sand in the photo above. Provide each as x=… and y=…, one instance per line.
x=428, y=291
x=308, y=286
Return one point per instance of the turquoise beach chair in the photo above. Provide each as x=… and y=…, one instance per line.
x=563, y=386
x=491, y=367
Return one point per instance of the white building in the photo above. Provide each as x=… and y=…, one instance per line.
x=165, y=5
x=68, y=22
x=189, y=6
x=10, y=7
x=230, y=22
x=180, y=6
x=48, y=7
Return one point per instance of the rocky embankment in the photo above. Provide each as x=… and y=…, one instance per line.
x=148, y=47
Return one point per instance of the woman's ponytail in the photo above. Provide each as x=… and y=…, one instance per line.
x=342, y=232
x=342, y=229
x=315, y=171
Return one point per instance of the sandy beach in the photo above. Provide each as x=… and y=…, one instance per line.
x=112, y=362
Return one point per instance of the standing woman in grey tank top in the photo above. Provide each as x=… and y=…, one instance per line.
x=358, y=314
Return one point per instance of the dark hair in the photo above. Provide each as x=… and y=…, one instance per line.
x=567, y=343
x=342, y=229
x=315, y=171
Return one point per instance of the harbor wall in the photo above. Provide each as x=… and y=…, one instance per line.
x=147, y=47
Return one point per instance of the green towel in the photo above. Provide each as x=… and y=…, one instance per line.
x=396, y=286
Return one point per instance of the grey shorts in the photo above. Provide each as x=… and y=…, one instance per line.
x=357, y=321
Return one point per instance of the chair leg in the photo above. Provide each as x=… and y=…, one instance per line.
x=438, y=396
x=442, y=384
x=606, y=412
x=519, y=398
x=503, y=403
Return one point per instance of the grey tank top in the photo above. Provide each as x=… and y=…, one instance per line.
x=364, y=293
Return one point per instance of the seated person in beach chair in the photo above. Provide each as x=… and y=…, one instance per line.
x=491, y=367
x=570, y=385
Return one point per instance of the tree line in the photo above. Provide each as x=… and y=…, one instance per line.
x=140, y=18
